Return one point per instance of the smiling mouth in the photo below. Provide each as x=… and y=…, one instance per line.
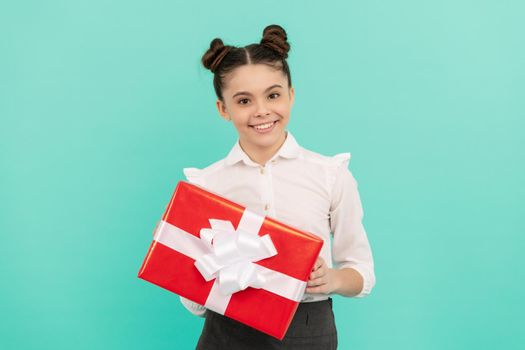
x=265, y=126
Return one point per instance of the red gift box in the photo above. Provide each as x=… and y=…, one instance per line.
x=221, y=255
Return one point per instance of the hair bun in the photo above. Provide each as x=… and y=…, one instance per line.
x=274, y=37
x=214, y=55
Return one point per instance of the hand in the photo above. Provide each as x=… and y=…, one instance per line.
x=323, y=280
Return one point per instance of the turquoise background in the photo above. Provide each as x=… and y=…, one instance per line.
x=103, y=103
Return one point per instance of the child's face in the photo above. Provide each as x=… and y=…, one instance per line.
x=258, y=101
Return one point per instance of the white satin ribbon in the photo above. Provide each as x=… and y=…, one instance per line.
x=232, y=253
x=227, y=255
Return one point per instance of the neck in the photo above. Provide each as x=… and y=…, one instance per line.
x=262, y=155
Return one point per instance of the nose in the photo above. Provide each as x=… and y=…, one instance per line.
x=262, y=109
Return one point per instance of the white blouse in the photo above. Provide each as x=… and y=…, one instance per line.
x=303, y=189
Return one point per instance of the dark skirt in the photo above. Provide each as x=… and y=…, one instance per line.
x=312, y=328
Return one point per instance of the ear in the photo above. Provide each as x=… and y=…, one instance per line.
x=291, y=92
x=221, y=108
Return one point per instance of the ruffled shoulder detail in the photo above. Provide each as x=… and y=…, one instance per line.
x=198, y=176
x=194, y=176
x=341, y=159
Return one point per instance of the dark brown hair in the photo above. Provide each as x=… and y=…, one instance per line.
x=272, y=50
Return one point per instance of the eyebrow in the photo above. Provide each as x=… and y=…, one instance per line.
x=247, y=93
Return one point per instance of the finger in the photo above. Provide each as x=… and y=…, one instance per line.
x=316, y=282
x=318, y=264
x=316, y=290
x=317, y=274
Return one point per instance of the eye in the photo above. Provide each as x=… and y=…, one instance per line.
x=274, y=95
x=243, y=101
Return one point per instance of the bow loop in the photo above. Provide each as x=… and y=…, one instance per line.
x=232, y=253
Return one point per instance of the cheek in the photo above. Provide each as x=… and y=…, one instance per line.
x=283, y=110
x=241, y=116
x=240, y=122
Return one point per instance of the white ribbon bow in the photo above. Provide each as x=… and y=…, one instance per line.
x=232, y=253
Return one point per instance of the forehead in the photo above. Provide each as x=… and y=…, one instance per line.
x=254, y=78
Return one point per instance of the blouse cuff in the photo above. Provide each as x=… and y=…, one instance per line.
x=368, y=280
x=194, y=308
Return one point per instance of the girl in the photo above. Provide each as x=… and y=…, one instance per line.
x=268, y=170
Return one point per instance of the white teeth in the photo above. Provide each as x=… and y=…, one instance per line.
x=263, y=126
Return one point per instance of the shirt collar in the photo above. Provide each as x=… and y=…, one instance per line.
x=290, y=149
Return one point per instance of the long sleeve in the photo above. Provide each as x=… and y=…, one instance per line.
x=350, y=246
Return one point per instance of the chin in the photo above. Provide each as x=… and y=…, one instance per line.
x=269, y=140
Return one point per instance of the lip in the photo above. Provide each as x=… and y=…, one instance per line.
x=264, y=131
x=266, y=122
